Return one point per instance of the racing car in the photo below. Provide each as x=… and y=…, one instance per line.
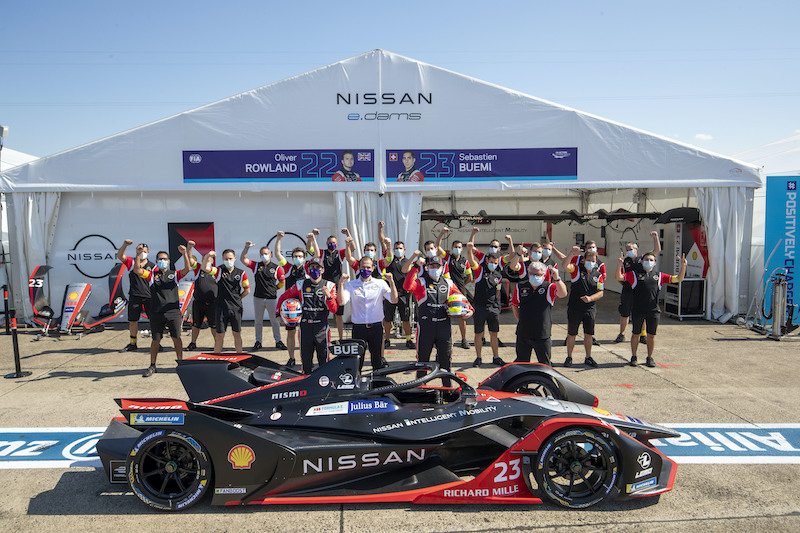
x=254, y=432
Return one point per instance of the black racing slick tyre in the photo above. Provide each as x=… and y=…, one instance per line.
x=168, y=470
x=576, y=468
x=534, y=385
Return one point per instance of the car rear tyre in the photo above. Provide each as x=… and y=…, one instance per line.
x=169, y=470
x=576, y=468
x=534, y=385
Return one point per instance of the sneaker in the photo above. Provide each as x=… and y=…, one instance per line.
x=410, y=344
x=290, y=362
x=633, y=361
x=384, y=363
x=499, y=362
x=256, y=346
x=649, y=362
x=595, y=341
x=642, y=340
x=191, y=346
x=590, y=362
x=130, y=348
x=279, y=345
x=500, y=344
x=386, y=344
x=568, y=362
x=464, y=344
x=149, y=372
x=476, y=362
x=620, y=338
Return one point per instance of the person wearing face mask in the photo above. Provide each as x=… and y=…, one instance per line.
x=232, y=286
x=164, y=303
x=368, y=297
x=139, y=291
x=333, y=259
x=433, y=323
x=204, y=303
x=371, y=251
x=394, y=266
x=293, y=272
x=317, y=297
x=587, y=287
x=268, y=278
x=486, y=302
x=532, y=304
x=632, y=263
x=646, y=286
x=460, y=273
x=551, y=256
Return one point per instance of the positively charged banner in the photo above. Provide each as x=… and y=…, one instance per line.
x=482, y=165
x=278, y=166
x=781, y=229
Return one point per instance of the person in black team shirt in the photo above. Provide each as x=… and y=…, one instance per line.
x=268, y=279
x=394, y=265
x=456, y=267
x=292, y=272
x=532, y=303
x=204, y=303
x=317, y=297
x=486, y=301
x=587, y=287
x=646, y=286
x=164, y=303
x=232, y=286
x=333, y=259
x=139, y=292
x=632, y=263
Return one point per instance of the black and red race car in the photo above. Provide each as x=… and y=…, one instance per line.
x=254, y=432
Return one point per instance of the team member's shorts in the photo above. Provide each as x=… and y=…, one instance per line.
x=224, y=317
x=578, y=316
x=170, y=320
x=625, y=302
x=489, y=316
x=203, y=311
x=401, y=305
x=135, y=307
x=651, y=319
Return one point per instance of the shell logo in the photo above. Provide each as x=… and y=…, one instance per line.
x=73, y=295
x=241, y=457
x=694, y=255
x=602, y=411
x=181, y=293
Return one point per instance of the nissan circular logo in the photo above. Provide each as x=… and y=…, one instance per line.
x=195, y=158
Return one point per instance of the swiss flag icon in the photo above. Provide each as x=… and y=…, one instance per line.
x=393, y=156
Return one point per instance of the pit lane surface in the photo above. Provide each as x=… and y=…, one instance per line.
x=715, y=377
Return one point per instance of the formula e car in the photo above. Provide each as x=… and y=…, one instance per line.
x=253, y=433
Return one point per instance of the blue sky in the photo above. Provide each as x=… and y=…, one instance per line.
x=724, y=76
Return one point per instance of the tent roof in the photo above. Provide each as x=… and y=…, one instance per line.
x=779, y=157
x=11, y=158
x=306, y=112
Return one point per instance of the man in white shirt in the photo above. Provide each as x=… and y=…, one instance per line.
x=366, y=294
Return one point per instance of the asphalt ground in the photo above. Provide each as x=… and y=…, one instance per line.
x=708, y=373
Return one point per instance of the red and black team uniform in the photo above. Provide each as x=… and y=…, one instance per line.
x=333, y=263
x=456, y=267
x=139, y=291
x=433, y=322
x=165, y=309
x=291, y=275
x=535, y=306
x=645, y=286
x=584, y=283
x=345, y=175
x=629, y=264
x=230, y=285
x=205, y=297
x=314, y=330
x=578, y=260
x=411, y=175
x=377, y=267
x=525, y=265
x=269, y=278
x=395, y=268
x=486, y=302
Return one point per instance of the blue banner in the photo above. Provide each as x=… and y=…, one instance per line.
x=482, y=165
x=733, y=443
x=49, y=447
x=278, y=166
x=781, y=227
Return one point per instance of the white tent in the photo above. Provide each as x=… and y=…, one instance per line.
x=11, y=158
x=231, y=163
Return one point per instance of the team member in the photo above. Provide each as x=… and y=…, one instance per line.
x=548, y=251
x=486, y=301
x=268, y=278
x=646, y=286
x=460, y=273
x=333, y=259
x=410, y=173
x=587, y=288
x=204, y=303
x=368, y=296
x=393, y=267
x=165, y=309
x=232, y=286
x=532, y=304
x=346, y=173
x=317, y=297
x=494, y=248
x=633, y=263
x=138, y=293
x=433, y=323
x=370, y=250
x=292, y=272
